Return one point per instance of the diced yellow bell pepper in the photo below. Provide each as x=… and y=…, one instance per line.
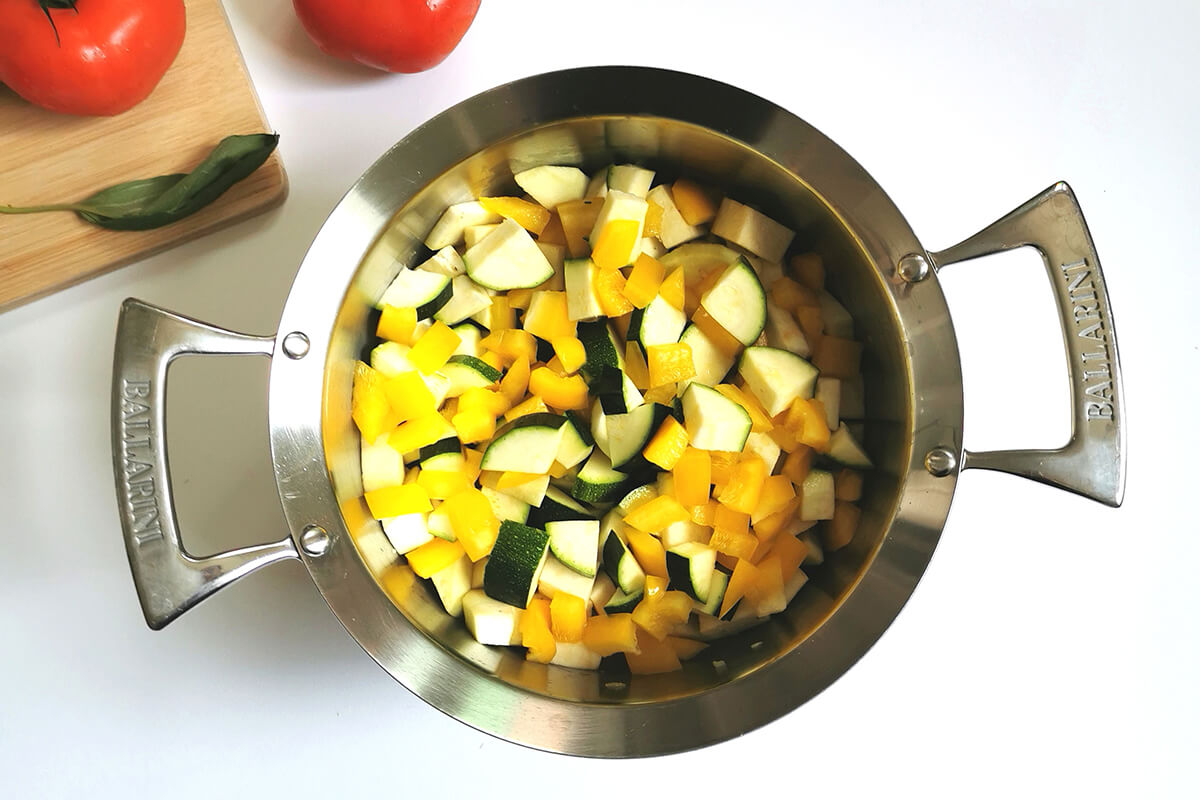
x=673, y=289
x=722, y=339
x=652, y=656
x=408, y=396
x=777, y=490
x=731, y=521
x=434, y=348
x=570, y=353
x=515, y=382
x=473, y=459
x=474, y=425
x=369, y=407
x=635, y=366
x=684, y=648
x=392, y=501
x=501, y=316
x=705, y=513
x=655, y=585
x=760, y=422
x=809, y=269
x=440, y=484
x=398, y=582
x=789, y=295
x=419, y=432
x=553, y=232
x=517, y=344
x=612, y=247
x=649, y=552
x=578, y=217
x=644, y=280
x=449, y=409
x=547, y=317
x=667, y=446
x=657, y=514
x=609, y=286
x=811, y=323
x=397, y=324
x=782, y=435
x=614, y=633
x=535, y=631
x=652, y=226
x=493, y=360
x=745, y=485
x=520, y=298
x=743, y=579
x=791, y=552
x=534, y=405
x=806, y=419
x=768, y=589
x=767, y=527
x=837, y=358
x=508, y=480
x=693, y=477
x=473, y=521
x=739, y=545
x=481, y=399
x=568, y=616
x=847, y=485
x=559, y=393
x=722, y=466
x=840, y=530
x=797, y=465
x=659, y=614
x=557, y=470
x=433, y=556
x=695, y=205
x=529, y=216
x=669, y=363
x=663, y=395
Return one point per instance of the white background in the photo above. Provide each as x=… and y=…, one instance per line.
x=1050, y=651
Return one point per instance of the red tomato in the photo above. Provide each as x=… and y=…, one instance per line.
x=392, y=35
x=98, y=59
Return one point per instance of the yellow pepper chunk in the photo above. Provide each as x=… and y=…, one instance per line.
x=745, y=485
x=776, y=492
x=809, y=269
x=535, y=631
x=515, y=382
x=547, y=316
x=433, y=556
x=848, y=485
x=655, y=585
x=609, y=287
x=500, y=316
x=488, y=400
x=664, y=395
x=722, y=466
x=738, y=545
x=789, y=295
x=570, y=352
x=517, y=344
x=840, y=530
x=369, y=407
x=434, y=348
x=705, y=513
x=615, y=633
x=673, y=289
x=767, y=527
x=726, y=519
x=667, y=446
x=493, y=360
x=693, y=477
x=657, y=514
x=669, y=363
x=806, y=419
x=791, y=552
x=558, y=392
x=529, y=216
x=392, y=501
x=397, y=324
x=652, y=656
x=744, y=577
x=473, y=521
x=568, y=616
x=644, y=280
x=722, y=339
x=474, y=424
x=474, y=459
x=660, y=613
x=797, y=465
x=419, y=432
x=694, y=204
x=616, y=241
x=760, y=421
x=649, y=552
x=508, y=480
x=440, y=484
x=408, y=396
x=635, y=366
x=533, y=405
x=578, y=217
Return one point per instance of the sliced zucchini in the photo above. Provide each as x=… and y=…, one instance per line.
x=710, y=362
x=616, y=391
x=376, y=551
x=446, y=261
x=623, y=602
x=621, y=566
x=414, y=288
x=737, y=302
x=575, y=543
x=829, y=392
x=672, y=230
x=575, y=655
x=556, y=254
x=444, y=455
x=716, y=594
x=763, y=446
x=784, y=333
x=468, y=372
x=551, y=185
x=630, y=178
x=683, y=532
x=576, y=443
x=505, y=506
x=407, y=532
x=698, y=260
x=438, y=523
x=794, y=584
x=601, y=347
x=844, y=449
x=516, y=561
x=597, y=481
x=452, y=584
x=629, y=433
x=776, y=377
x=635, y=497
x=382, y=465
x=579, y=282
x=557, y=505
x=474, y=234
x=837, y=319
x=507, y=258
x=455, y=220
x=653, y=247
x=690, y=567
x=527, y=444
x=658, y=323
x=491, y=621
x=816, y=553
x=713, y=421
x=597, y=185
x=816, y=495
x=752, y=230
x=470, y=338
x=558, y=577
x=468, y=299
x=602, y=590
x=600, y=428
x=620, y=205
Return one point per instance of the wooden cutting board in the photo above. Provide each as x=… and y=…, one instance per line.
x=47, y=158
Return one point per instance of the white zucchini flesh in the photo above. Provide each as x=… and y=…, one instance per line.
x=737, y=302
x=557, y=577
x=507, y=258
x=578, y=278
x=474, y=234
x=837, y=319
x=446, y=261
x=699, y=260
x=575, y=542
x=382, y=465
x=505, y=506
x=657, y=324
x=628, y=433
x=710, y=362
x=816, y=496
x=551, y=185
x=376, y=550
x=776, y=377
x=449, y=228
x=752, y=230
x=713, y=421
x=526, y=447
x=416, y=288
x=684, y=531
x=491, y=621
x=763, y=446
x=452, y=583
x=468, y=299
x=574, y=655
x=630, y=178
x=784, y=333
x=407, y=532
x=653, y=247
x=843, y=447
x=673, y=230
x=622, y=206
x=597, y=185
x=829, y=392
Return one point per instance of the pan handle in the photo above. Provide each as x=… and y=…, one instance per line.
x=1093, y=462
x=169, y=580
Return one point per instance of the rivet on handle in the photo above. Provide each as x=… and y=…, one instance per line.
x=913, y=268
x=314, y=541
x=941, y=461
x=295, y=345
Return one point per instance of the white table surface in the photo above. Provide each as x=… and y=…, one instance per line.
x=1051, y=649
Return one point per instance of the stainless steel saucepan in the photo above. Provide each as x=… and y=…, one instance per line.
x=682, y=125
